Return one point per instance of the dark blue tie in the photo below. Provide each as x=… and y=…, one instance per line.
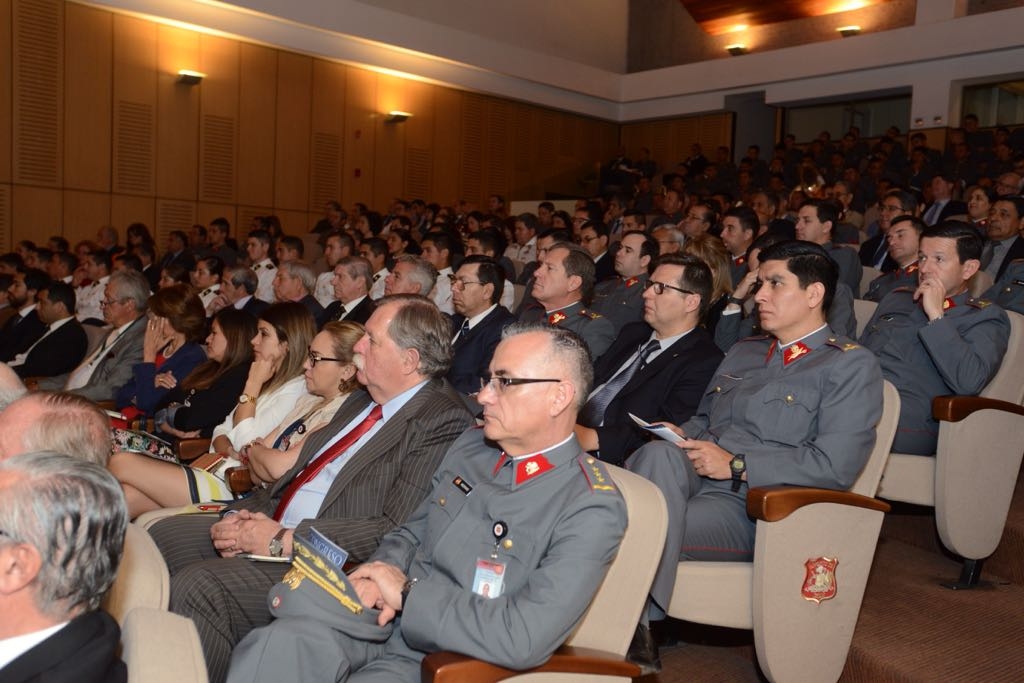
x=592, y=414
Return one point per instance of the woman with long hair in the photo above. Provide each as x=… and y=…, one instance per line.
x=272, y=387
x=711, y=250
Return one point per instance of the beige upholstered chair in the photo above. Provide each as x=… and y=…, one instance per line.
x=161, y=647
x=863, y=310
x=142, y=579
x=795, y=637
x=596, y=650
x=971, y=478
x=867, y=274
x=979, y=283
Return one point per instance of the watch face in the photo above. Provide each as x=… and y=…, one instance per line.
x=738, y=465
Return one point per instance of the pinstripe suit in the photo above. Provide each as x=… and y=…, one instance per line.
x=376, y=490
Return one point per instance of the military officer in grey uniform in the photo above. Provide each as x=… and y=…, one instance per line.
x=935, y=339
x=904, y=239
x=563, y=284
x=621, y=299
x=796, y=407
x=815, y=222
x=1008, y=291
x=502, y=559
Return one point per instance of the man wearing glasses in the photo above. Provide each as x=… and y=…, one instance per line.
x=109, y=367
x=796, y=406
x=500, y=561
x=656, y=369
x=353, y=481
x=478, y=321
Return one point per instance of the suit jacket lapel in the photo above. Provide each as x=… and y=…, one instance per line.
x=352, y=406
x=660, y=363
x=385, y=439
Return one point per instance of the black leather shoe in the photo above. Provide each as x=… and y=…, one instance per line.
x=643, y=651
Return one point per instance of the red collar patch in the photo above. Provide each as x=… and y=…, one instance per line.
x=794, y=351
x=739, y=260
x=531, y=467
x=556, y=318
x=911, y=269
x=948, y=304
x=631, y=281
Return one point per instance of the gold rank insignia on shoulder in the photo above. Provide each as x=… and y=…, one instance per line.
x=979, y=303
x=596, y=473
x=842, y=346
x=590, y=314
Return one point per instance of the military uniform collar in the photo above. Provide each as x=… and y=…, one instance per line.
x=799, y=348
x=526, y=468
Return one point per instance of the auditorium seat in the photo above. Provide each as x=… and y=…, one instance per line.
x=970, y=479
x=161, y=647
x=596, y=650
x=798, y=529
x=142, y=579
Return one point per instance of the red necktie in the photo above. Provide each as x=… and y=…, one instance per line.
x=314, y=467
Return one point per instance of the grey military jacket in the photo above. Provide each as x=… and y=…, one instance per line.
x=956, y=354
x=886, y=282
x=803, y=415
x=620, y=300
x=1008, y=292
x=596, y=330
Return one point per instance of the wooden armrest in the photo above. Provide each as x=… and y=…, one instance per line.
x=773, y=503
x=956, y=408
x=449, y=667
x=106, y=405
x=239, y=479
x=190, y=449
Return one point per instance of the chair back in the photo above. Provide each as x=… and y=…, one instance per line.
x=867, y=275
x=615, y=610
x=863, y=310
x=885, y=432
x=979, y=283
x=1007, y=385
x=161, y=647
x=142, y=578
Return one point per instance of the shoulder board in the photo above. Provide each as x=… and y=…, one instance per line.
x=979, y=303
x=596, y=474
x=909, y=290
x=759, y=337
x=843, y=346
x=590, y=314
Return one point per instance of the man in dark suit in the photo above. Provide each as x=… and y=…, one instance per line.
x=238, y=289
x=594, y=238
x=107, y=369
x=354, y=480
x=1004, y=243
x=57, y=564
x=24, y=327
x=874, y=252
x=943, y=205
x=177, y=251
x=478, y=321
x=352, y=282
x=296, y=281
x=63, y=344
x=657, y=369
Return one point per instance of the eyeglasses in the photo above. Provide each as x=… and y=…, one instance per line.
x=659, y=287
x=111, y=302
x=500, y=384
x=315, y=358
x=459, y=283
x=890, y=207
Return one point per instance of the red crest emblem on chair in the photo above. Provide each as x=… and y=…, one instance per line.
x=819, y=579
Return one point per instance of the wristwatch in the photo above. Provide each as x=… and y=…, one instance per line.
x=738, y=465
x=406, y=587
x=246, y=398
x=277, y=544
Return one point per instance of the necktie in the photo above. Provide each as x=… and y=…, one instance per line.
x=593, y=413
x=341, y=313
x=881, y=253
x=463, y=331
x=314, y=468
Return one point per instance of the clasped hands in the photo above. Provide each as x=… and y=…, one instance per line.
x=709, y=459
x=246, y=532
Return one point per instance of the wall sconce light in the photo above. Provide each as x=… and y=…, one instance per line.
x=736, y=49
x=848, y=31
x=189, y=77
x=395, y=116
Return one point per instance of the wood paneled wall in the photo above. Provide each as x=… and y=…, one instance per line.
x=670, y=140
x=95, y=129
